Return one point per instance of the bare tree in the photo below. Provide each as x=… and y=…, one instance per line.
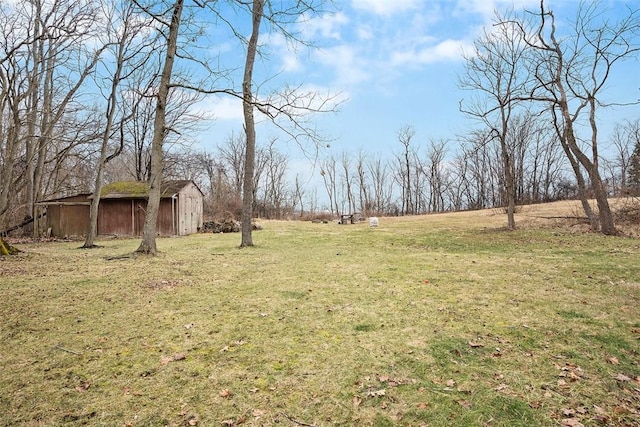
x=298, y=196
x=363, y=183
x=347, y=187
x=45, y=62
x=232, y=155
x=495, y=72
x=571, y=72
x=148, y=244
x=274, y=202
x=123, y=28
x=249, y=123
x=405, y=167
x=288, y=103
x=382, y=187
x=625, y=139
x=436, y=174
x=329, y=174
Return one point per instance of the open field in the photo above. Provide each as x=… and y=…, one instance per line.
x=442, y=320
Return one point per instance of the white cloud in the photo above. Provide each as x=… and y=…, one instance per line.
x=325, y=27
x=286, y=51
x=365, y=32
x=386, y=7
x=349, y=66
x=222, y=108
x=487, y=8
x=446, y=50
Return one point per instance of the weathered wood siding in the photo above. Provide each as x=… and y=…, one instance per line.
x=125, y=217
x=190, y=210
x=66, y=219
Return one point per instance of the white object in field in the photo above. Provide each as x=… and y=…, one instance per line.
x=373, y=221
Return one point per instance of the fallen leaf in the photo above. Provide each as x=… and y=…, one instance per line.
x=377, y=393
x=474, y=344
x=228, y=422
x=502, y=387
x=127, y=390
x=573, y=377
x=193, y=422
x=572, y=422
x=356, y=401
x=450, y=383
x=464, y=403
x=622, y=378
x=83, y=387
x=613, y=360
x=254, y=390
x=226, y=393
x=179, y=356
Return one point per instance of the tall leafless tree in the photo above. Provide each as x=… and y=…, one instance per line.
x=405, y=168
x=148, y=243
x=495, y=72
x=122, y=29
x=571, y=72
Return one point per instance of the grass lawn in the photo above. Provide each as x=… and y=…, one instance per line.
x=441, y=320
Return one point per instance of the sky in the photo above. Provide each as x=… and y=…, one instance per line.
x=394, y=63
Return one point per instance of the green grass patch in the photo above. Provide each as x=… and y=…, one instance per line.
x=438, y=320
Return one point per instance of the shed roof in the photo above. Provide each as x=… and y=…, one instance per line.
x=138, y=189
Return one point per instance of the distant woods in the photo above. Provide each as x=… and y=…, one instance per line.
x=422, y=176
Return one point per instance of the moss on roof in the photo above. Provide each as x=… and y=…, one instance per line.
x=140, y=189
x=126, y=188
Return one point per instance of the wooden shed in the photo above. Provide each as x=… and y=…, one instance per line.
x=67, y=216
x=123, y=210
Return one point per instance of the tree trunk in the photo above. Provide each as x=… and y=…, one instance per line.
x=112, y=100
x=148, y=244
x=249, y=126
x=507, y=161
x=607, y=225
x=509, y=184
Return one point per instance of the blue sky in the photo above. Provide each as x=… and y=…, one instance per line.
x=394, y=63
